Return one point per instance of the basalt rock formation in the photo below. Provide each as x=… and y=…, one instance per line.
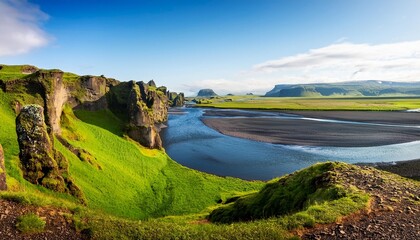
x=176, y=100
x=3, y=185
x=145, y=108
x=56, y=92
x=146, y=103
x=41, y=163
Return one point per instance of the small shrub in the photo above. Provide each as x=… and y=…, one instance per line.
x=30, y=223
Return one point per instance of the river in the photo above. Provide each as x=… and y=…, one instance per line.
x=191, y=143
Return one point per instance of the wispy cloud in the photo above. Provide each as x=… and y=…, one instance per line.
x=20, y=27
x=350, y=60
x=341, y=61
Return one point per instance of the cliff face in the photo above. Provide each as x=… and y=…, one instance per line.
x=176, y=100
x=55, y=96
x=143, y=106
x=49, y=85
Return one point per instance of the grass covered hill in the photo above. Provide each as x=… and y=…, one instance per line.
x=136, y=192
x=369, y=88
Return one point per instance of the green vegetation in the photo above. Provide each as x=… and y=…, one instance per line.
x=30, y=223
x=325, y=103
x=312, y=195
x=200, y=229
x=10, y=72
x=369, y=88
x=141, y=182
x=133, y=192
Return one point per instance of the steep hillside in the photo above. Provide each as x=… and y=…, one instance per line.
x=116, y=174
x=368, y=88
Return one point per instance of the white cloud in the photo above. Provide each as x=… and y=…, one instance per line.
x=20, y=27
x=341, y=61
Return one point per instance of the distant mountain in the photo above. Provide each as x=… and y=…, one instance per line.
x=206, y=93
x=368, y=88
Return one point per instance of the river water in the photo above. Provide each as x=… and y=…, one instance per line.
x=191, y=143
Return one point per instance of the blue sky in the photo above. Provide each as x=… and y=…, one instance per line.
x=234, y=46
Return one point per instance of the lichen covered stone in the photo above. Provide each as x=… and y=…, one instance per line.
x=36, y=150
x=41, y=163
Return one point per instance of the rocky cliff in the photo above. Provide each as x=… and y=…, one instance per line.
x=145, y=109
x=57, y=88
x=176, y=100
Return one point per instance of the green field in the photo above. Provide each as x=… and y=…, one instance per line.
x=321, y=104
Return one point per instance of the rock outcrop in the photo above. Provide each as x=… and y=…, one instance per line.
x=29, y=69
x=146, y=109
x=96, y=93
x=206, y=93
x=176, y=100
x=49, y=85
x=41, y=163
x=3, y=184
x=55, y=97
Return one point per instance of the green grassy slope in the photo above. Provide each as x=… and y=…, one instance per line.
x=10, y=72
x=135, y=182
x=314, y=193
x=321, y=104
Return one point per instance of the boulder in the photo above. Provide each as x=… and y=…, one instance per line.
x=36, y=149
x=41, y=163
x=3, y=185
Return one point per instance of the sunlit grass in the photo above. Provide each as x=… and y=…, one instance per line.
x=271, y=103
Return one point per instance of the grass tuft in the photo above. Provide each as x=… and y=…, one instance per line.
x=30, y=223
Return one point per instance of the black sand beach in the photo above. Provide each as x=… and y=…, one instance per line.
x=315, y=133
